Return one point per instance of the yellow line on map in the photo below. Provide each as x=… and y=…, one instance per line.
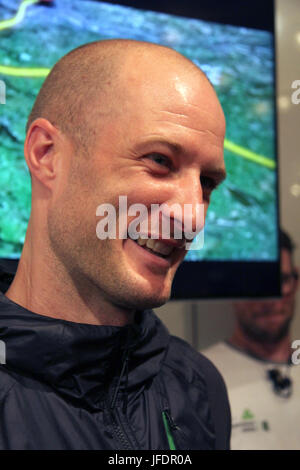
x=42, y=72
x=19, y=15
x=24, y=71
x=249, y=155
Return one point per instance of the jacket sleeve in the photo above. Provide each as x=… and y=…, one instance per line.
x=197, y=368
x=219, y=404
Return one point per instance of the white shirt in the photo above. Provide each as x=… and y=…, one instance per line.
x=261, y=419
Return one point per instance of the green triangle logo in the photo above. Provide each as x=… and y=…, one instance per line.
x=247, y=415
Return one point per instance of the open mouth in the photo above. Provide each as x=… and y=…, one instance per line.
x=155, y=247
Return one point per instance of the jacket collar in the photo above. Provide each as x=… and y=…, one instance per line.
x=81, y=361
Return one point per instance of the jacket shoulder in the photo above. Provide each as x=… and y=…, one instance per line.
x=198, y=371
x=191, y=363
x=7, y=382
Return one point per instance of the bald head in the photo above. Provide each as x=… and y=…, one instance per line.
x=89, y=84
x=153, y=129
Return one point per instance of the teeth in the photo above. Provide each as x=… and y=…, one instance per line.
x=162, y=248
x=154, y=245
x=141, y=241
x=150, y=244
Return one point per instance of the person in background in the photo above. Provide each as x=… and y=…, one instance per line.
x=257, y=365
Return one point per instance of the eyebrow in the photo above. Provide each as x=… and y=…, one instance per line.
x=219, y=174
x=173, y=146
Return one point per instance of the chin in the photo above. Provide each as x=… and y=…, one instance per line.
x=144, y=300
x=155, y=295
x=151, y=301
x=148, y=291
x=155, y=302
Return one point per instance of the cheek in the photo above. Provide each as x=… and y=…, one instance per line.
x=140, y=190
x=78, y=207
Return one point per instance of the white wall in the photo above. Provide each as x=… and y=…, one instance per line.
x=288, y=56
x=205, y=322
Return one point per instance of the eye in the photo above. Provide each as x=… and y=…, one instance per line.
x=160, y=159
x=208, y=183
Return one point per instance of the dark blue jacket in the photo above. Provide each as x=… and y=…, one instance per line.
x=68, y=385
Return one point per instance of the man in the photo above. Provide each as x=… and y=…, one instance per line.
x=263, y=384
x=87, y=365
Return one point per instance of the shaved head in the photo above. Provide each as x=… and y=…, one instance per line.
x=153, y=129
x=89, y=83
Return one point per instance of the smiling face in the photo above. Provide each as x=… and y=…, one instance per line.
x=268, y=321
x=162, y=143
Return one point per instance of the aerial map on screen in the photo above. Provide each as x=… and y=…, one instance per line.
x=241, y=221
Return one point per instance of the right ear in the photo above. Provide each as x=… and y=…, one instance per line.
x=40, y=151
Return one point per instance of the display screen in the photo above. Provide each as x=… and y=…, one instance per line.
x=238, y=58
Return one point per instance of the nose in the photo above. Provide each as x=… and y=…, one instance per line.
x=187, y=201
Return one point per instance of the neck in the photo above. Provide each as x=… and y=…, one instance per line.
x=277, y=352
x=43, y=286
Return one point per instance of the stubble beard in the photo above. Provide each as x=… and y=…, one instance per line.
x=94, y=265
x=262, y=335
x=123, y=289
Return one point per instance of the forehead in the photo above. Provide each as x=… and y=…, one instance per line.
x=164, y=78
x=181, y=106
x=158, y=101
x=179, y=92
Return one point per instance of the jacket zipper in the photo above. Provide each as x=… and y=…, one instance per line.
x=119, y=430
x=169, y=427
x=116, y=420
